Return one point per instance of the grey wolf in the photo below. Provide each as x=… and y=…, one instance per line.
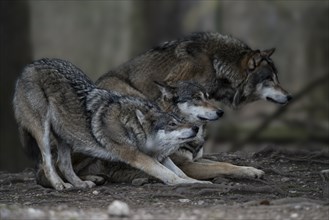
x=229, y=70
x=187, y=99
x=55, y=100
x=191, y=101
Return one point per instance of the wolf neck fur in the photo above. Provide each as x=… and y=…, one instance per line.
x=223, y=50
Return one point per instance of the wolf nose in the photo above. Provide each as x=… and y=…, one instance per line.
x=289, y=97
x=220, y=113
x=195, y=129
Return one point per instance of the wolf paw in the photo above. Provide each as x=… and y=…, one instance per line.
x=193, y=181
x=98, y=180
x=90, y=184
x=86, y=184
x=61, y=185
x=199, y=181
x=204, y=182
x=251, y=172
x=67, y=185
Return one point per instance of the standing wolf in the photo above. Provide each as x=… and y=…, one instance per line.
x=55, y=100
x=229, y=70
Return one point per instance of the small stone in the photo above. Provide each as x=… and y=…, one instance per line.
x=200, y=202
x=285, y=179
x=184, y=200
x=298, y=206
x=139, y=181
x=118, y=208
x=294, y=215
x=35, y=213
x=95, y=192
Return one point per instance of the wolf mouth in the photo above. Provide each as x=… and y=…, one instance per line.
x=207, y=119
x=275, y=101
x=191, y=136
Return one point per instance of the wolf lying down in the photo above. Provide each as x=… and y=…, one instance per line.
x=55, y=100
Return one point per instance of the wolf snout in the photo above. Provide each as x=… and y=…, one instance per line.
x=277, y=96
x=220, y=113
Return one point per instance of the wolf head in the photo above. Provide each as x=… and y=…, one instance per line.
x=165, y=129
x=262, y=80
x=231, y=71
x=254, y=77
x=190, y=100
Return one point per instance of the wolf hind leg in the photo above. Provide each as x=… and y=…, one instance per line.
x=42, y=137
x=207, y=169
x=64, y=163
x=239, y=171
x=32, y=150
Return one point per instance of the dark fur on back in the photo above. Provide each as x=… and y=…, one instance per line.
x=72, y=73
x=213, y=44
x=218, y=62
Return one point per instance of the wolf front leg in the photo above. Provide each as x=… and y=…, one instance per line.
x=154, y=168
x=167, y=162
x=65, y=165
x=135, y=158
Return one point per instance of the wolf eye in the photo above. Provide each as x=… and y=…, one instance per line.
x=172, y=123
x=268, y=78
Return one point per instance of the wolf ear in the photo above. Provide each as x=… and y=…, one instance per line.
x=268, y=52
x=167, y=91
x=254, y=60
x=140, y=116
x=187, y=49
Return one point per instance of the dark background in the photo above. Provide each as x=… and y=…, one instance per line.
x=99, y=35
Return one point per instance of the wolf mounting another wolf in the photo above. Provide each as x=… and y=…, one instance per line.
x=229, y=71
x=170, y=86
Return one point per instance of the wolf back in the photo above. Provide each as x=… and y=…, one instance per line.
x=229, y=69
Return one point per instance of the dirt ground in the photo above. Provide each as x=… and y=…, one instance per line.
x=291, y=189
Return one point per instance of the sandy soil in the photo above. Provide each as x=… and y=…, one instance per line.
x=291, y=189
